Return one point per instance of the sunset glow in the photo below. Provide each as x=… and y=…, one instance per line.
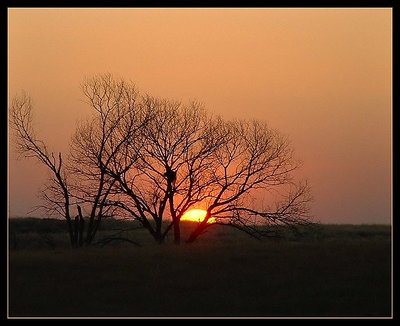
x=196, y=215
x=316, y=73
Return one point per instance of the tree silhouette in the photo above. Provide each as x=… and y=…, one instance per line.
x=56, y=193
x=152, y=160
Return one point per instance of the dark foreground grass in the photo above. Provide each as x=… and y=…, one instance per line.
x=344, y=271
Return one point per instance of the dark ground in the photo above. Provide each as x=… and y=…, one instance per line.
x=333, y=271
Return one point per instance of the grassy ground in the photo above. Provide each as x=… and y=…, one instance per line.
x=334, y=271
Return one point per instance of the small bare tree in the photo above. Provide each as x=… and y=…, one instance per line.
x=57, y=193
x=69, y=184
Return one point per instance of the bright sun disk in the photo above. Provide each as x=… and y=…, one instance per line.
x=196, y=215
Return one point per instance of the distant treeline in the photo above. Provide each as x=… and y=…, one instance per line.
x=26, y=233
x=33, y=224
x=31, y=233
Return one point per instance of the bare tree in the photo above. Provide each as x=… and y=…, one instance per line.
x=153, y=160
x=156, y=160
x=183, y=158
x=82, y=181
x=57, y=193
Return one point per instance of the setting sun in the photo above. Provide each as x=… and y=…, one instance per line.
x=196, y=215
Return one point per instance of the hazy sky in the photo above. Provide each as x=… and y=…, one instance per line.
x=321, y=76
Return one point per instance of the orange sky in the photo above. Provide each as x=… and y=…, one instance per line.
x=322, y=76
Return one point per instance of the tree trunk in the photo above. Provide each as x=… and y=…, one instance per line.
x=81, y=227
x=76, y=231
x=90, y=237
x=158, y=232
x=156, y=235
x=199, y=229
x=177, y=232
x=70, y=231
x=193, y=236
x=196, y=232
